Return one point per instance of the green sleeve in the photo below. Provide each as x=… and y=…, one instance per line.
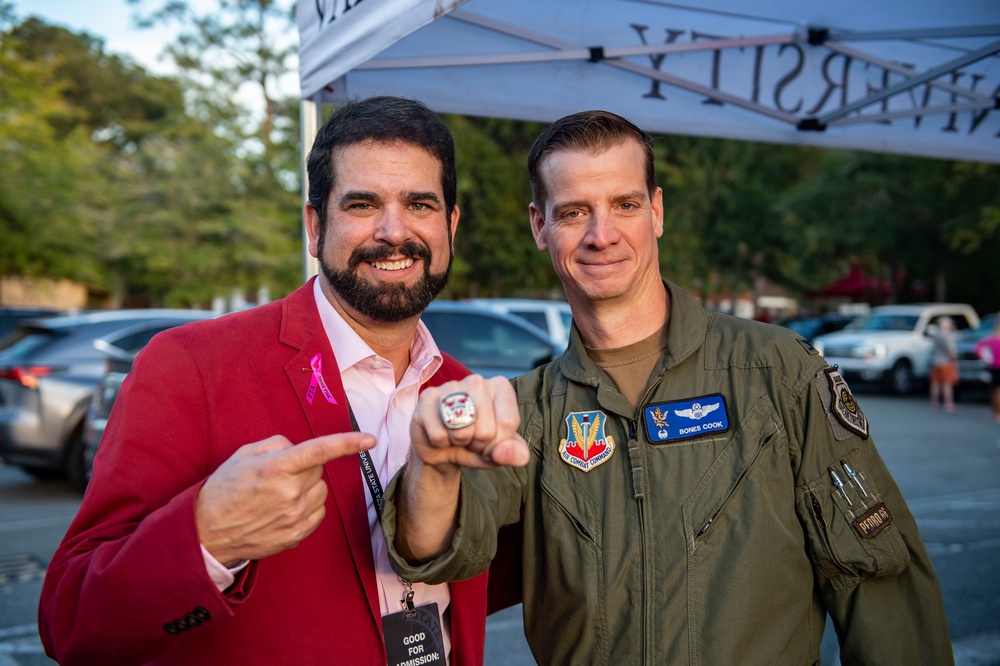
x=488, y=499
x=873, y=570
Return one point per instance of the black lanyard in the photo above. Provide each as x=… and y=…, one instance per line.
x=368, y=469
x=375, y=487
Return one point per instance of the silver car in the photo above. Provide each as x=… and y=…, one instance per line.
x=486, y=341
x=553, y=317
x=49, y=369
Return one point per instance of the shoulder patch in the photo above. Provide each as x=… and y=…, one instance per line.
x=586, y=447
x=808, y=347
x=840, y=404
x=684, y=419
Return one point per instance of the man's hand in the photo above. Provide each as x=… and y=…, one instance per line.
x=268, y=496
x=428, y=499
x=491, y=441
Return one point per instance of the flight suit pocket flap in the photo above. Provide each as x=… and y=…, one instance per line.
x=849, y=527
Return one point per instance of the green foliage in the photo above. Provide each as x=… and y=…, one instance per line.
x=923, y=223
x=495, y=253
x=222, y=53
x=109, y=176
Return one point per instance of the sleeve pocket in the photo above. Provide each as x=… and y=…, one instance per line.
x=849, y=528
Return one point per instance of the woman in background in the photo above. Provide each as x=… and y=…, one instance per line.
x=988, y=351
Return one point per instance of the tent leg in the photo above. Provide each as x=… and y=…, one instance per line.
x=310, y=111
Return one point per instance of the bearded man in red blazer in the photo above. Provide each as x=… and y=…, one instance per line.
x=227, y=520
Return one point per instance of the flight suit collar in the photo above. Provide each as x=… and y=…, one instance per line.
x=686, y=330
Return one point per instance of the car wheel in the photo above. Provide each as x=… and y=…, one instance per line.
x=901, y=379
x=76, y=470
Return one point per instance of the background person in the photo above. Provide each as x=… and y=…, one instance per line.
x=944, y=365
x=224, y=524
x=697, y=488
x=988, y=351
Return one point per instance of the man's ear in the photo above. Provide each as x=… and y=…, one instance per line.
x=537, y=219
x=312, y=228
x=657, y=206
x=453, y=223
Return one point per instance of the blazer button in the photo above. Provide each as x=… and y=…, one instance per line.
x=202, y=614
x=192, y=620
x=171, y=629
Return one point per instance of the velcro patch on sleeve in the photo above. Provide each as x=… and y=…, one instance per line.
x=873, y=521
x=843, y=411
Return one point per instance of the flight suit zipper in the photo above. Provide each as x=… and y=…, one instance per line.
x=639, y=492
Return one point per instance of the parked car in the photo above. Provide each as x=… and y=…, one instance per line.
x=553, y=317
x=120, y=349
x=49, y=369
x=892, y=344
x=812, y=327
x=11, y=316
x=486, y=341
x=972, y=371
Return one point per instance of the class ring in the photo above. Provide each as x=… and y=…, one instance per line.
x=457, y=410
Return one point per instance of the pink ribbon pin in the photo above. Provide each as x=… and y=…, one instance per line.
x=317, y=380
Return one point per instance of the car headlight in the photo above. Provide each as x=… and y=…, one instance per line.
x=873, y=351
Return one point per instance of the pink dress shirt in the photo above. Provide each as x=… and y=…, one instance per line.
x=384, y=409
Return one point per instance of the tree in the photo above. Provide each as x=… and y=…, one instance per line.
x=109, y=179
x=495, y=252
x=241, y=44
x=221, y=53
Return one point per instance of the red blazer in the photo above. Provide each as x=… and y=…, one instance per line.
x=128, y=583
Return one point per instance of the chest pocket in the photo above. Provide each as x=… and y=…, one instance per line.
x=726, y=480
x=849, y=527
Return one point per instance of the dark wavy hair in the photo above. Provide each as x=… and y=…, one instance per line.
x=385, y=120
x=586, y=130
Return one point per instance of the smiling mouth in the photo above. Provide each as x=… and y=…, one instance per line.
x=397, y=265
x=603, y=264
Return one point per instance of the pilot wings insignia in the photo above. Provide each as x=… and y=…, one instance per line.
x=659, y=418
x=697, y=411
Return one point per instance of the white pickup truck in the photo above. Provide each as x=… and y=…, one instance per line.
x=892, y=344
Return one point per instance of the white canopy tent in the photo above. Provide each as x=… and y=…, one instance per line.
x=917, y=77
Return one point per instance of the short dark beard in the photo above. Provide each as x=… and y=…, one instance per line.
x=391, y=302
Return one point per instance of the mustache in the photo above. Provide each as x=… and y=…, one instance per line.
x=409, y=249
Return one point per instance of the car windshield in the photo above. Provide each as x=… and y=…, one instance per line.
x=23, y=342
x=986, y=326
x=884, y=322
x=807, y=328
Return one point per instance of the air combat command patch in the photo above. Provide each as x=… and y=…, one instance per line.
x=587, y=446
x=843, y=405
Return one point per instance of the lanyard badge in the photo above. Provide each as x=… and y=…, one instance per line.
x=413, y=636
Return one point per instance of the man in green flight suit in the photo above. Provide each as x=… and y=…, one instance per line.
x=693, y=488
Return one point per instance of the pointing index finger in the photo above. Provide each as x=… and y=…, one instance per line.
x=314, y=452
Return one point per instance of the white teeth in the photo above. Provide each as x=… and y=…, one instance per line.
x=393, y=265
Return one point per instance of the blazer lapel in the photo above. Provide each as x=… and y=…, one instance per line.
x=302, y=329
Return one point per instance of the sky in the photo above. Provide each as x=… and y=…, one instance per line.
x=110, y=20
